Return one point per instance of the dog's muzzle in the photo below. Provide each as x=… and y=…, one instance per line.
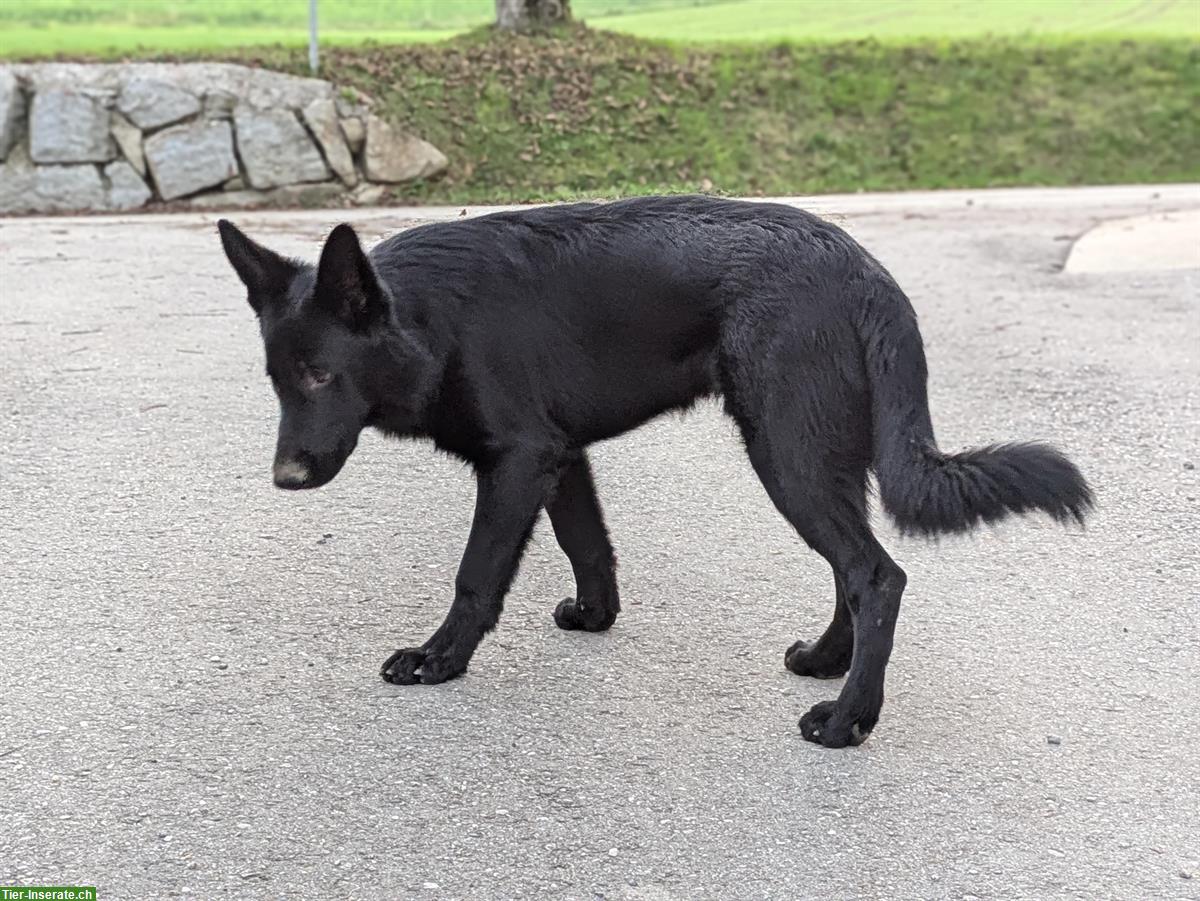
x=291, y=474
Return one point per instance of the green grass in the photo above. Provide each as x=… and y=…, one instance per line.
x=30, y=28
x=116, y=27
x=109, y=40
x=773, y=20
x=586, y=113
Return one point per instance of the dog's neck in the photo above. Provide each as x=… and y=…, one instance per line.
x=408, y=375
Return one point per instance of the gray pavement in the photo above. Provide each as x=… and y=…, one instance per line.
x=189, y=702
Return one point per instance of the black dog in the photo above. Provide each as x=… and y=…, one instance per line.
x=516, y=340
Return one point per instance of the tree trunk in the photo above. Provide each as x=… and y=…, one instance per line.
x=527, y=15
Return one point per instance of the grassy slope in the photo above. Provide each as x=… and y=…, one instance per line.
x=593, y=113
x=40, y=27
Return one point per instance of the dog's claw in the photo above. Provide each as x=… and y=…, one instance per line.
x=825, y=725
x=801, y=660
x=401, y=667
x=570, y=615
x=410, y=666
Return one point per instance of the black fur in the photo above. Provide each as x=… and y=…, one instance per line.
x=516, y=340
x=929, y=492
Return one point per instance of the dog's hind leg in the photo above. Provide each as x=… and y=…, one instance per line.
x=827, y=509
x=829, y=656
x=578, y=525
x=874, y=586
x=800, y=398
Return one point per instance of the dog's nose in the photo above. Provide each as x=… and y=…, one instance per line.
x=290, y=474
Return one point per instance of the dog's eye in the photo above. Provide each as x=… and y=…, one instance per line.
x=317, y=377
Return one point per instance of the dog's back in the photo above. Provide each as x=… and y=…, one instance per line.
x=601, y=316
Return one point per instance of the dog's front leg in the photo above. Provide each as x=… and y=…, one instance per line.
x=508, y=498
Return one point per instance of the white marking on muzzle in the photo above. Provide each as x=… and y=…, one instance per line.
x=291, y=471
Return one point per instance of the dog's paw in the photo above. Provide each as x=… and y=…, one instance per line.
x=571, y=615
x=408, y=666
x=827, y=725
x=805, y=658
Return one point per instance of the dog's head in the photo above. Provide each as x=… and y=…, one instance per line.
x=325, y=332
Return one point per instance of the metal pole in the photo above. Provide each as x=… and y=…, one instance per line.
x=312, y=35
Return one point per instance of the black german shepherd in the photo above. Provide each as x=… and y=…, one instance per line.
x=516, y=340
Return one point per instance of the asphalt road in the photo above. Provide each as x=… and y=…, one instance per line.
x=189, y=699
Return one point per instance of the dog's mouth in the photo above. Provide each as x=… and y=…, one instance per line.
x=291, y=476
x=303, y=471
x=300, y=485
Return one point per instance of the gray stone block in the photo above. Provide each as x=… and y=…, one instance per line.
x=322, y=120
x=393, y=155
x=129, y=139
x=188, y=158
x=275, y=148
x=355, y=132
x=26, y=188
x=16, y=182
x=69, y=127
x=368, y=194
x=219, y=105
x=60, y=188
x=126, y=190
x=12, y=110
x=151, y=104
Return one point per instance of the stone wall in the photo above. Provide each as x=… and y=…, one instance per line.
x=120, y=136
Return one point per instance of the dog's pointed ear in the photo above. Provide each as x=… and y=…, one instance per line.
x=265, y=273
x=347, y=284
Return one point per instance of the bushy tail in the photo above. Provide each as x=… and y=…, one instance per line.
x=929, y=492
